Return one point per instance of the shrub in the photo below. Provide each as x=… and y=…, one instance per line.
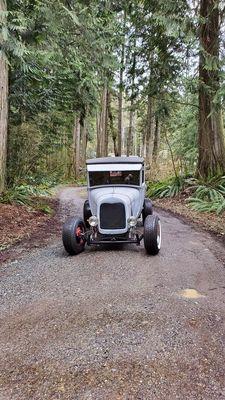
x=171, y=187
x=206, y=196
x=23, y=194
x=209, y=197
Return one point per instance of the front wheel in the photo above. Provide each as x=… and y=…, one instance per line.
x=86, y=213
x=152, y=234
x=73, y=235
x=147, y=209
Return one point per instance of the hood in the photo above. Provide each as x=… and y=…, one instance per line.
x=127, y=195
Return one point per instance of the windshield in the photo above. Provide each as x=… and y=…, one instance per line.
x=102, y=178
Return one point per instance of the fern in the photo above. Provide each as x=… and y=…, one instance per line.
x=171, y=187
x=209, y=197
x=23, y=194
x=207, y=206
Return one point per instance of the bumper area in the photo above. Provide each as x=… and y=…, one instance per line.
x=114, y=240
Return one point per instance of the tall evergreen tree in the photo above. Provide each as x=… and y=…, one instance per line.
x=3, y=95
x=211, y=158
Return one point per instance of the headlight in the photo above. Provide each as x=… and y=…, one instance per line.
x=93, y=220
x=132, y=221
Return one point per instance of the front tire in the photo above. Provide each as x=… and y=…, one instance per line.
x=147, y=209
x=86, y=213
x=152, y=234
x=72, y=235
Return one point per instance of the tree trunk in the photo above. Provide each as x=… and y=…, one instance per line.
x=111, y=126
x=74, y=144
x=83, y=134
x=3, y=105
x=77, y=149
x=64, y=156
x=120, y=98
x=136, y=145
x=106, y=127
x=211, y=148
x=156, y=140
x=102, y=125
x=104, y=122
x=171, y=153
x=148, y=154
x=120, y=119
x=98, y=154
x=143, y=143
x=130, y=136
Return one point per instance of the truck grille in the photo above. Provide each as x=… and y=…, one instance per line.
x=112, y=216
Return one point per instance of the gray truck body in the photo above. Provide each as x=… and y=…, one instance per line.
x=111, y=201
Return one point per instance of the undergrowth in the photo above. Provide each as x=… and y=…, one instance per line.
x=170, y=187
x=202, y=196
x=209, y=196
x=28, y=195
x=33, y=189
x=82, y=181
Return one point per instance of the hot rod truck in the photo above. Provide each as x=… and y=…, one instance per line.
x=116, y=201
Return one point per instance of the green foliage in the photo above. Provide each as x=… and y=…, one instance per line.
x=45, y=181
x=14, y=195
x=82, y=181
x=40, y=148
x=181, y=125
x=170, y=187
x=206, y=196
x=45, y=208
x=59, y=53
x=23, y=194
x=217, y=206
x=209, y=197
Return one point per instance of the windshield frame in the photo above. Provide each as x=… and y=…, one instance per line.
x=140, y=183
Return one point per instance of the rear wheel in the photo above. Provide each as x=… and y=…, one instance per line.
x=152, y=234
x=86, y=213
x=147, y=209
x=73, y=235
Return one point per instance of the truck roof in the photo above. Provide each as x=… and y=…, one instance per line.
x=116, y=160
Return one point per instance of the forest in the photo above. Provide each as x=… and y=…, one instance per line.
x=88, y=78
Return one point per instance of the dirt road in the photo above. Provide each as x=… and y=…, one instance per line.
x=115, y=323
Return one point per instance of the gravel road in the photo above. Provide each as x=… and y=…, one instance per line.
x=114, y=323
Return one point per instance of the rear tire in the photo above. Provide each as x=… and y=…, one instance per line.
x=72, y=235
x=147, y=209
x=86, y=213
x=152, y=234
